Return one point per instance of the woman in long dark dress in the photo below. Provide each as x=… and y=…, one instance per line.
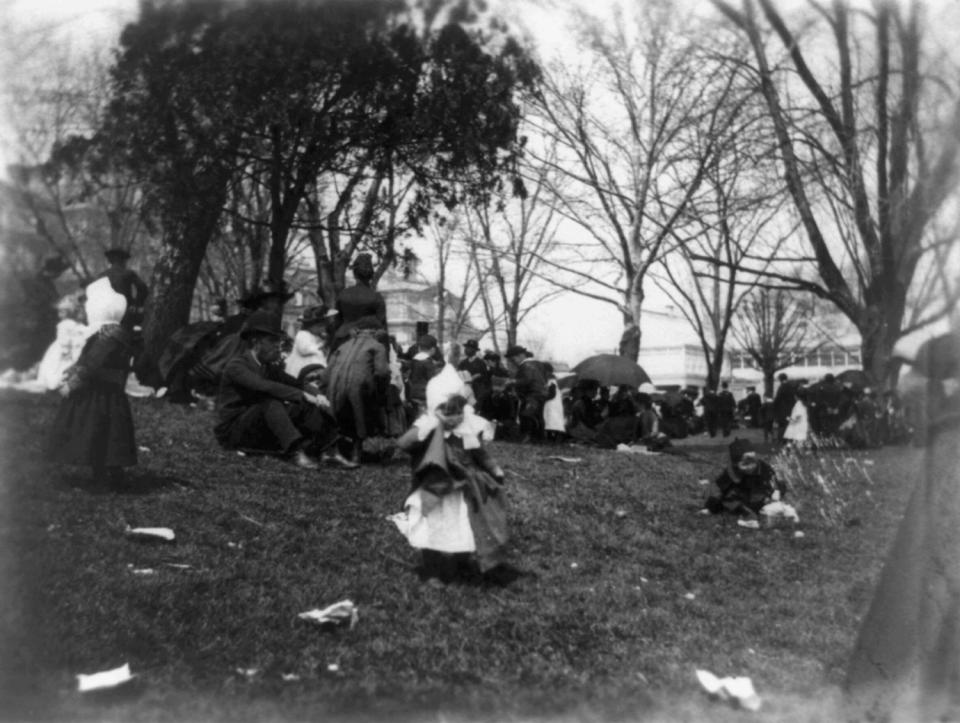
x=94, y=425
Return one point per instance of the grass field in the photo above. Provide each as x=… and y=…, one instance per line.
x=626, y=591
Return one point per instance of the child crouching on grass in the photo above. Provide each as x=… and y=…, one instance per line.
x=456, y=514
x=94, y=425
x=746, y=485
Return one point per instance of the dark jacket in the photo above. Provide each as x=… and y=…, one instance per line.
x=531, y=380
x=246, y=382
x=359, y=303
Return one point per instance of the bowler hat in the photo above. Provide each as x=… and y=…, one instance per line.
x=120, y=254
x=262, y=322
x=471, y=344
x=491, y=356
x=517, y=350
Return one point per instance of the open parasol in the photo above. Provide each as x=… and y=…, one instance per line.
x=611, y=370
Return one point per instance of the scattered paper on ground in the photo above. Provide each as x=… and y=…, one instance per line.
x=105, y=679
x=337, y=614
x=738, y=690
x=634, y=449
x=155, y=533
x=571, y=460
x=779, y=511
x=749, y=524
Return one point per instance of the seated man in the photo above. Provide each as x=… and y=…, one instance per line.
x=261, y=408
x=746, y=485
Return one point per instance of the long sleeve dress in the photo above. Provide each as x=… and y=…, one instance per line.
x=94, y=425
x=458, y=502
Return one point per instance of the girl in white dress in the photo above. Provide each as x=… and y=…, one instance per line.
x=798, y=426
x=65, y=349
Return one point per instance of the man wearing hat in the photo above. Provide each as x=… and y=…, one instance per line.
x=261, y=408
x=126, y=281
x=530, y=384
x=360, y=302
x=480, y=380
x=423, y=367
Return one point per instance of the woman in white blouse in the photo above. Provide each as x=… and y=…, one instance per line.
x=310, y=345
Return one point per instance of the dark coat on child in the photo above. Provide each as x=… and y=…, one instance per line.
x=94, y=425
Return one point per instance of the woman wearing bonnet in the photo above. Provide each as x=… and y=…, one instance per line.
x=94, y=425
x=456, y=513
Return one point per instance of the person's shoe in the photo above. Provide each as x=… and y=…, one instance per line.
x=338, y=460
x=303, y=460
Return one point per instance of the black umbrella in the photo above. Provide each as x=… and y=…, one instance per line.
x=855, y=377
x=611, y=370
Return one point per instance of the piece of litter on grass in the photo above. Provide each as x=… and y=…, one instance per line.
x=703, y=482
x=178, y=565
x=739, y=690
x=620, y=513
x=868, y=461
x=704, y=511
x=799, y=533
x=104, y=680
x=290, y=677
x=241, y=453
x=690, y=596
x=643, y=579
x=751, y=651
x=235, y=545
x=151, y=533
x=51, y=528
x=248, y=672
x=574, y=565
x=749, y=524
x=337, y=614
x=333, y=668
x=569, y=460
x=143, y=449
x=143, y=571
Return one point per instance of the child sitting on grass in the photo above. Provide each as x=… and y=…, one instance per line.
x=746, y=485
x=456, y=514
x=94, y=426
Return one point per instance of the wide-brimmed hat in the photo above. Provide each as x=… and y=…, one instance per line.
x=118, y=253
x=316, y=315
x=268, y=290
x=517, y=350
x=471, y=344
x=262, y=322
x=491, y=356
x=363, y=262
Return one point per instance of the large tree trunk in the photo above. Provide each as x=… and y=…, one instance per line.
x=630, y=338
x=171, y=293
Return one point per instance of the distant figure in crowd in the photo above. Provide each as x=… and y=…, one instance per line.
x=750, y=407
x=65, y=349
x=530, y=384
x=126, y=281
x=260, y=408
x=746, y=485
x=479, y=374
x=766, y=419
x=726, y=409
x=711, y=411
x=308, y=355
x=906, y=662
x=797, y=432
x=360, y=302
x=456, y=513
x=93, y=426
x=28, y=315
x=554, y=424
x=783, y=401
x=423, y=367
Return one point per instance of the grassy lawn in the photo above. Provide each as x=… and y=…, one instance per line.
x=628, y=590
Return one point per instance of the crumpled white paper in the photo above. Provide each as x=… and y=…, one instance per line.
x=105, y=679
x=634, y=449
x=337, y=614
x=569, y=460
x=147, y=533
x=738, y=690
x=779, y=511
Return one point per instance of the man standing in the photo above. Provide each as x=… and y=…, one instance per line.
x=260, y=407
x=530, y=383
x=751, y=406
x=127, y=282
x=783, y=402
x=479, y=376
x=711, y=411
x=726, y=409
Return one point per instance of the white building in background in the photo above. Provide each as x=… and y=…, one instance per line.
x=670, y=351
